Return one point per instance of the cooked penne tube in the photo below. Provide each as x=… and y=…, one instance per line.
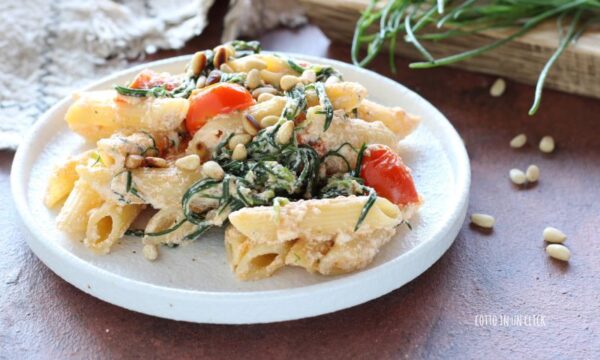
x=63, y=178
x=107, y=224
x=74, y=215
x=394, y=118
x=98, y=114
x=250, y=261
x=318, y=220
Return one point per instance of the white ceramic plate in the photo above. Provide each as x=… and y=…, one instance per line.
x=194, y=283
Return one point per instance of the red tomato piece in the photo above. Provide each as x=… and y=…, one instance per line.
x=220, y=98
x=383, y=170
x=147, y=79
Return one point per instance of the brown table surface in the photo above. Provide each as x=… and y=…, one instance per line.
x=439, y=314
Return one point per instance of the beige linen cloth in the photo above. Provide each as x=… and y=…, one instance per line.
x=50, y=48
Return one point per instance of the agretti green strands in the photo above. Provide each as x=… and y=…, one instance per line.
x=422, y=21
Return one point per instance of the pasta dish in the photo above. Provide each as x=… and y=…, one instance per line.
x=296, y=164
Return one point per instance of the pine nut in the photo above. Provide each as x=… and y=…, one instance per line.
x=483, y=220
x=332, y=80
x=287, y=82
x=150, y=252
x=559, y=252
x=155, y=162
x=239, y=153
x=285, y=132
x=134, y=161
x=189, y=162
x=518, y=141
x=517, y=176
x=198, y=63
x=554, y=235
x=225, y=68
x=264, y=90
x=498, y=87
x=547, y=144
x=250, y=125
x=213, y=77
x=220, y=56
x=213, y=170
x=308, y=77
x=238, y=139
x=270, y=77
x=264, y=97
x=269, y=120
x=532, y=173
x=200, y=82
x=252, y=79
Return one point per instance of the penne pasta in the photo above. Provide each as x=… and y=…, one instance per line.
x=107, y=224
x=99, y=114
x=74, y=215
x=394, y=118
x=318, y=220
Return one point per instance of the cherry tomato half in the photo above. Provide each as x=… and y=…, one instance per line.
x=383, y=170
x=148, y=79
x=220, y=98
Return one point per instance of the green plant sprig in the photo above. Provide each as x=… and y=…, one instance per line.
x=424, y=21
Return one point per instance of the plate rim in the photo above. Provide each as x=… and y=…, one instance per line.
x=259, y=302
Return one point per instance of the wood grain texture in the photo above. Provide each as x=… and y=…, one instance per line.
x=503, y=272
x=577, y=70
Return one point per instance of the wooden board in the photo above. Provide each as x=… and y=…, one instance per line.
x=576, y=71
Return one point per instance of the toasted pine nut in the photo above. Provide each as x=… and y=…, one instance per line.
x=220, y=56
x=239, y=153
x=498, y=87
x=225, y=68
x=269, y=120
x=264, y=97
x=252, y=79
x=150, y=252
x=155, y=162
x=198, y=63
x=250, y=125
x=213, y=170
x=270, y=77
x=517, y=176
x=134, y=161
x=554, y=235
x=189, y=162
x=559, y=252
x=285, y=132
x=532, y=173
x=518, y=141
x=483, y=220
x=213, y=77
x=264, y=90
x=238, y=139
x=308, y=77
x=547, y=144
x=287, y=82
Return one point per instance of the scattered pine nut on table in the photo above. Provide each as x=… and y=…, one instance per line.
x=559, y=252
x=483, y=220
x=547, y=144
x=517, y=176
x=518, y=141
x=498, y=87
x=553, y=235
